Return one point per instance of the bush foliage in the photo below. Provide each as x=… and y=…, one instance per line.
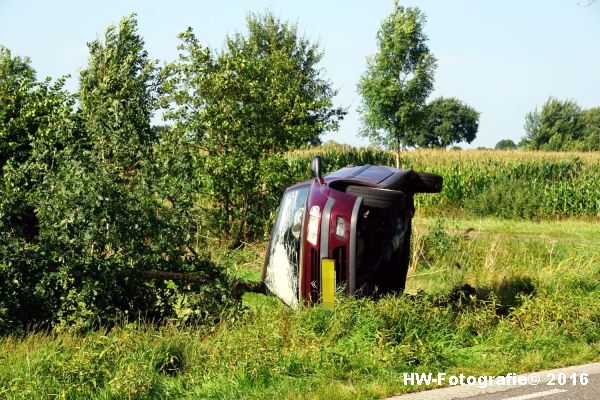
x=93, y=196
x=243, y=106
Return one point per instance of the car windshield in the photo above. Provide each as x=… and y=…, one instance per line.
x=282, y=273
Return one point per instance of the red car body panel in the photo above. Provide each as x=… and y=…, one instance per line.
x=333, y=204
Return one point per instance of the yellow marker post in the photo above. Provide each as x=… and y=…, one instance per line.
x=328, y=283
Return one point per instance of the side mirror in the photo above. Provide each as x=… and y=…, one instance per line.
x=316, y=167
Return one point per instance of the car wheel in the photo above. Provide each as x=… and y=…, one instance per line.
x=377, y=197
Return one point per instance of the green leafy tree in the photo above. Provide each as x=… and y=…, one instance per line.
x=35, y=124
x=506, y=144
x=100, y=213
x=244, y=105
x=123, y=199
x=17, y=78
x=557, y=126
x=590, y=138
x=33, y=116
x=113, y=201
x=20, y=117
x=117, y=96
x=398, y=80
x=448, y=121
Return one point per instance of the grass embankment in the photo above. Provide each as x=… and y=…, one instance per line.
x=530, y=300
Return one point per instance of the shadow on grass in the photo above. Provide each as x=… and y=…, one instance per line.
x=506, y=295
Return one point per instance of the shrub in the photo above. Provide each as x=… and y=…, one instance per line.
x=106, y=198
x=505, y=144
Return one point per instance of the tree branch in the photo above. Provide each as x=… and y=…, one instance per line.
x=240, y=286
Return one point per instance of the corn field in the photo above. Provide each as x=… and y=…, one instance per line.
x=507, y=184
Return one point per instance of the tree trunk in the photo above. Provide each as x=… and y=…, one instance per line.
x=398, y=152
x=240, y=286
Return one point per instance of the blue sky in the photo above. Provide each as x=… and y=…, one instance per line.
x=504, y=58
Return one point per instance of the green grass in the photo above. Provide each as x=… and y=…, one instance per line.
x=488, y=253
x=532, y=302
x=576, y=229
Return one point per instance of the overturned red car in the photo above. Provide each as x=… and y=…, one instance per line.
x=345, y=232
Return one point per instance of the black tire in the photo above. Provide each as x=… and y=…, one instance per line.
x=425, y=182
x=377, y=197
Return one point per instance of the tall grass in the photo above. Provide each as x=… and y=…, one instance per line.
x=359, y=351
x=529, y=299
x=508, y=184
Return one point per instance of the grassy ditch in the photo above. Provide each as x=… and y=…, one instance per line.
x=485, y=297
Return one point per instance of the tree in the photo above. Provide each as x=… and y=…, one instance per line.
x=34, y=127
x=101, y=215
x=244, y=105
x=506, y=144
x=448, y=121
x=31, y=114
x=113, y=201
x=118, y=96
x=590, y=138
x=17, y=78
x=20, y=117
x=398, y=80
x=557, y=126
x=123, y=200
